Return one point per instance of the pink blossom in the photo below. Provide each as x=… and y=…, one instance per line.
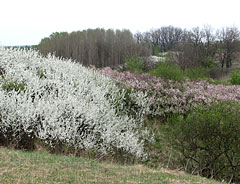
x=173, y=97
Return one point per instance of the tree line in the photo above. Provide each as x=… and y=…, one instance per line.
x=197, y=46
x=100, y=47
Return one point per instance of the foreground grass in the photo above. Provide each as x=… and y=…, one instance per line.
x=39, y=167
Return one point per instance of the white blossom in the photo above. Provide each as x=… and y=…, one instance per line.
x=64, y=101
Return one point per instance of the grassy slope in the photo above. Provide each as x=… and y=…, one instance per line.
x=39, y=167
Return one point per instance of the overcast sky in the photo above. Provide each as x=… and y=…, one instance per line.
x=26, y=22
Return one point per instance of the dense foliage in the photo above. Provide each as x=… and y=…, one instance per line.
x=165, y=67
x=135, y=64
x=60, y=102
x=203, y=119
x=235, y=77
x=168, y=71
x=209, y=140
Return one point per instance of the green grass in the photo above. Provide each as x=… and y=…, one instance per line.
x=168, y=70
x=40, y=167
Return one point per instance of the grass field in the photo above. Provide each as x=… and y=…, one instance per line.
x=40, y=167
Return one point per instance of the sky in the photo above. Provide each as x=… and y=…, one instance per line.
x=26, y=22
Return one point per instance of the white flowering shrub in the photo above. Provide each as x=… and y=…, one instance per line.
x=57, y=100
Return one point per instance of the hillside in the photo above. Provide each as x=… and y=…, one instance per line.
x=125, y=117
x=39, y=167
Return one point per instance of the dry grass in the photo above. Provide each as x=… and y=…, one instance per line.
x=39, y=167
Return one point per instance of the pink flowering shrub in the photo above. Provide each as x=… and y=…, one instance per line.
x=167, y=96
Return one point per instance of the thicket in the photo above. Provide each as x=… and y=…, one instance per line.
x=196, y=123
x=63, y=105
x=166, y=69
x=209, y=140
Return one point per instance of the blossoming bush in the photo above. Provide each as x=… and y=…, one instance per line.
x=169, y=97
x=203, y=126
x=58, y=101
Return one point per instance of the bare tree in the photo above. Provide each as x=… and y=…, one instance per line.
x=138, y=37
x=95, y=46
x=197, y=48
x=165, y=37
x=228, y=45
x=209, y=41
